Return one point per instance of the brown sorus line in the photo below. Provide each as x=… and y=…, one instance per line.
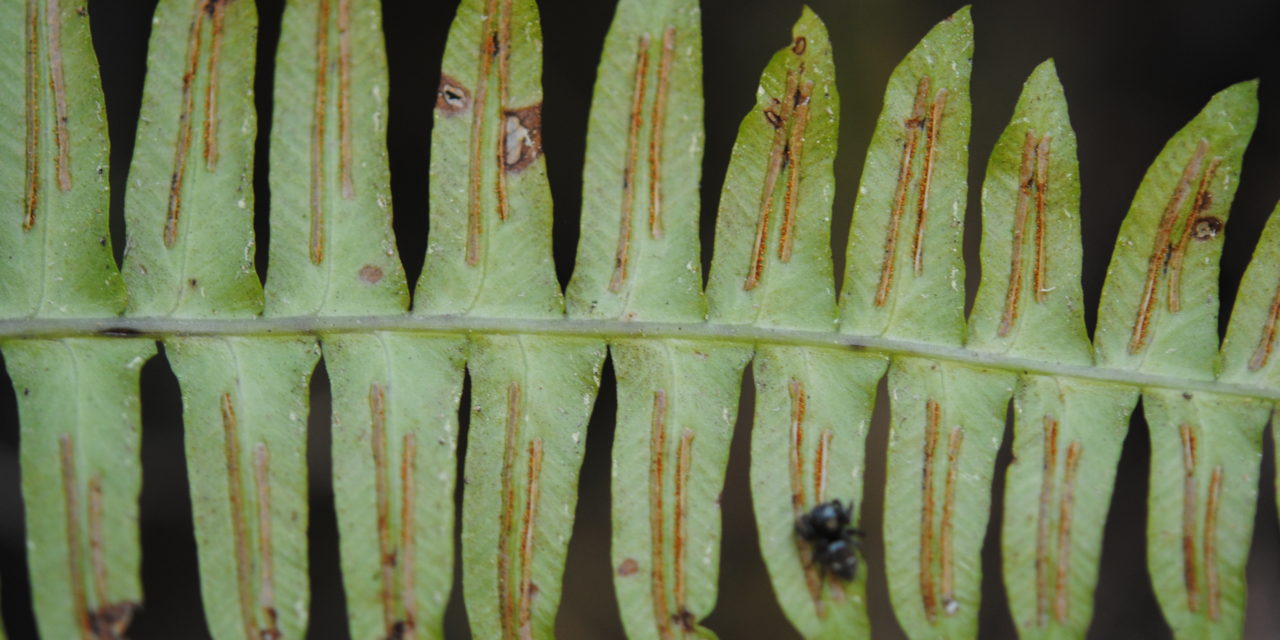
x=1060, y=608
x=1025, y=180
x=61, y=138
x=1198, y=206
x=1189, y=516
x=794, y=152
x=508, y=488
x=926, y=175
x=1042, y=518
x=266, y=571
x=183, y=144
x=657, y=452
x=382, y=502
x=532, y=495
x=820, y=466
x=755, y=270
x=1263, y=352
x=32, y=95
x=240, y=529
x=71, y=508
x=1160, y=252
x=933, y=416
x=344, y=98
x=634, y=122
x=912, y=125
x=211, y=90
x=97, y=555
x=1211, y=542
x=318, y=108
x=408, y=472
x=657, y=130
x=1039, y=277
x=501, y=42
x=945, y=545
x=796, y=471
x=475, y=168
x=684, y=465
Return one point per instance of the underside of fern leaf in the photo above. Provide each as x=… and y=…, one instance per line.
x=77, y=331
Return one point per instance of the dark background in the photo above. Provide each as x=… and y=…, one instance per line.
x=1134, y=73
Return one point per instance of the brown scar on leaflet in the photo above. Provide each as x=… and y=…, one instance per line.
x=1263, y=351
x=1189, y=232
x=1160, y=252
x=1049, y=470
x=799, y=45
x=812, y=579
x=532, y=498
x=948, y=526
x=912, y=125
x=216, y=10
x=1074, y=451
x=408, y=471
x=507, y=517
x=657, y=129
x=628, y=567
x=318, y=110
x=1025, y=182
x=382, y=502
x=32, y=96
x=634, y=122
x=936, y=110
x=657, y=519
x=183, y=144
x=755, y=271
x=684, y=465
x=110, y=621
x=71, y=512
x=522, y=137
x=1210, y=542
x=1189, y=516
x=451, y=97
x=266, y=579
x=933, y=416
x=371, y=274
x=240, y=528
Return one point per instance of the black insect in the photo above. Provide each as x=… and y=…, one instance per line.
x=835, y=544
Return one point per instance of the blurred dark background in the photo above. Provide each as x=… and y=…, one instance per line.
x=1134, y=73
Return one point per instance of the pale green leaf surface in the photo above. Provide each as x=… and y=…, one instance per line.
x=813, y=411
x=887, y=290
x=244, y=409
x=55, y=252
x=1030, y=303
x=638, y=249
x=1159, y=308
x=530, y=401
x=189, y=207
x=395, y=438
x=1248, y=353
x=772, y=262
x=1206, y=451
x=483, y=257
x=81, y=476
x=332, y=248
x=1067, y=438
x=677, y=405
x=946, y=424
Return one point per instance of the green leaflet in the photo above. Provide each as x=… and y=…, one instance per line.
x=395, y=438
x=332, y=250
x=946, y=425
x=772, y=264
x=904, y=276
x=489, y=251
x=244, y=408
x=638, y=249
x=1067, y=433
x=79, y=410
x=55, y=252
x=77, y=398
x=813, y=411
x=1159, y=310
x=530, y=400
x=189, y=208
x=1205, y=455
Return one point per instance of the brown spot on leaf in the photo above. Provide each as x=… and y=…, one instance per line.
x=112, y=620
x=451, y=97
x=1206, y=228
x=687, y=621
x=799, y=45
x=628, y=567
x=371, y=274
x=521, y=137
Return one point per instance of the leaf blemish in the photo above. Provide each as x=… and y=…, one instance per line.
x=629, y=567
x=451, y=97
x=522, y=137
x=371, y=274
